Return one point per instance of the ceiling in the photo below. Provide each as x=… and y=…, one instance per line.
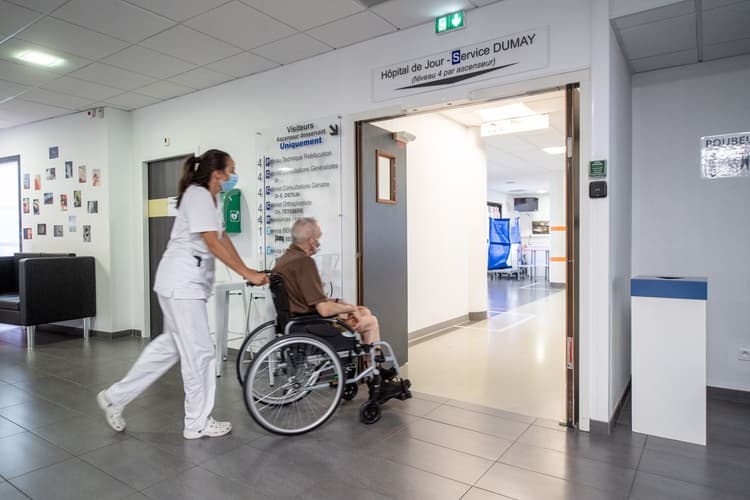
x=132, y=53
x=684, y=32
x=516, y=162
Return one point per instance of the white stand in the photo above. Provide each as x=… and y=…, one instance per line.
x=669, y=357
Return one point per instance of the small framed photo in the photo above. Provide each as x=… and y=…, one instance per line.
x=27, y=233
x=35, y=206
x=41, y=229
x=37, y=182
x=64, y=202
x=68, y=169
x=58, y=231
x=26, y=181
x=93, y=207
x=72, y=224
x=26, y=205
x=87, y=234
x=96, y=177
x=76, y=199
x=51, y=174
x=49, y=198
x=82, y=173
x=54, y=152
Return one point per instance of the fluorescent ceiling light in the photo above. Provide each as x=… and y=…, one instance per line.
x=541, y=191
x=505, y=112
x=39, y=58
x=515, y=125
x=556, y=150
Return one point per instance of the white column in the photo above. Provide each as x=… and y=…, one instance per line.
x=557, y=229
x=476, y=222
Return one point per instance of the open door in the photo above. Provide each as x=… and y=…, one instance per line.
x=381, y=233
x=572, y=134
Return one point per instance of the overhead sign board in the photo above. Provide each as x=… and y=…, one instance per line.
x=507, y=55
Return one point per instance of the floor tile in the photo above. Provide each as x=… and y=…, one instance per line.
x=24, y=452
x=601, y=475
x=480, y=422
x=414, y=406
x=522, y=484
x=200, y=484
x=193, y=451
x=479, y=494
x=271, y=474
x=433, y=458
x=10, y=492
x=456, y=438
x=609, y=449
x=37, y=413
x=649, y=486
x=65, y=393
x=80, y=435
x=8, y=428
x=137, y=464
x=491, y=411
x=11, y=395
x=71, y=480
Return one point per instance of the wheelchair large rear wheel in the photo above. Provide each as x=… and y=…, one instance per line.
x=255, y=341
x=294, y=384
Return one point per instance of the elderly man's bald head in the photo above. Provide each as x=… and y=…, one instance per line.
x=305, y=228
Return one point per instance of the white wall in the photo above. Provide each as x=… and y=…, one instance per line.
x=446, y=182
x=620, y=196
x=84, y=141
x=684, y=225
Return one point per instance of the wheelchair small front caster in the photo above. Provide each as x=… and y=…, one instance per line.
x=350, y=392
x=369, y=412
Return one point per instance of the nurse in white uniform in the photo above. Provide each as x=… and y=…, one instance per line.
x=183, y=284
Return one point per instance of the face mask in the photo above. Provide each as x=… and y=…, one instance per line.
x=316, y=247
x=230, y=183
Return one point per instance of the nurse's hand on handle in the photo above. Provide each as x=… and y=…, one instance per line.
x=224, y=250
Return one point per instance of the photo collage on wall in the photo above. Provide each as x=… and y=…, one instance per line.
x=43, y=192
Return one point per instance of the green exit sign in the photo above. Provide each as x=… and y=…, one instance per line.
x=449, y=22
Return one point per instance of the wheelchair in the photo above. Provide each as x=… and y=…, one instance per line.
x=296, y=370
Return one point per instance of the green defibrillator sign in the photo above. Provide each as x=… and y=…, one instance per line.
x=598, y=168
x=232, y=218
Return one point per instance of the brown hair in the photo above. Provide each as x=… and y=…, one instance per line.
x=198, y=169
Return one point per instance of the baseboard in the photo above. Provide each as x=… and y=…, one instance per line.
x=559, y=286
x=478, y=316
x=606, y=428
x=731, y=395
x=78, y=331
x=424, y=332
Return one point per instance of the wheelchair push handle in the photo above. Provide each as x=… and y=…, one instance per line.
x=266, y=271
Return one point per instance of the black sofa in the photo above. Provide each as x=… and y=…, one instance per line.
x=38, y=288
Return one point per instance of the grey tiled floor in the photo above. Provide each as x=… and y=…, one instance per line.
x=54, y=444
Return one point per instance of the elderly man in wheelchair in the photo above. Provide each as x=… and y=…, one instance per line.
x=296, y=370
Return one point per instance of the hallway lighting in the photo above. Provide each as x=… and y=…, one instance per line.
x=504, y=112
x=39, y=58
x=515, y=125
x=556, y=150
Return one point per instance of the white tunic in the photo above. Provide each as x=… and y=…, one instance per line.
x=186, y=270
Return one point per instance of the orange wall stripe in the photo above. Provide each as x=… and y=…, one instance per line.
x=557, y=259
x=557, y=228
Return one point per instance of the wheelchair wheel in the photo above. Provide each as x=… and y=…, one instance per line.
x=252, y=345
x=369, y=412
x=292, y=385
x=350, y=392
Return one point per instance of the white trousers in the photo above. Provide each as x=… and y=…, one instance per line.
x=186, y=338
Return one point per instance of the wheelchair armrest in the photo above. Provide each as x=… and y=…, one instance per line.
x=313, y=319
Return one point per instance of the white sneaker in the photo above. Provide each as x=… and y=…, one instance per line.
x=212, y=429
x=112, y=412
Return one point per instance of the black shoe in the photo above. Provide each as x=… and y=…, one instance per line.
x=390, y=390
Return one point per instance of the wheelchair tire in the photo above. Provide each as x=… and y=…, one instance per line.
x=291, y=386
x=254, y=342
x=369, y=412
x=350, y=392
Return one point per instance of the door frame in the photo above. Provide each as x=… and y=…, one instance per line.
x=577, y=401
x=17, y=159
x=146, y=328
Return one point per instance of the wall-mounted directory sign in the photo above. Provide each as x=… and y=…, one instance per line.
x=299, y=175
x=494, y=58
x=725, y=155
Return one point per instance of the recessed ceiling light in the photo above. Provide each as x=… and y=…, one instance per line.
x=556, y=150
x=541, y=191
x=504, y=112
x=39, y=58
x=515, y=125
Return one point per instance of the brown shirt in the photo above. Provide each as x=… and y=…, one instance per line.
x=301, y=280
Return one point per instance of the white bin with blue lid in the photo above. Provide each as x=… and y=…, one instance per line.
x=668, y=357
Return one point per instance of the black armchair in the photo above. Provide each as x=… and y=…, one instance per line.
x=36, y=289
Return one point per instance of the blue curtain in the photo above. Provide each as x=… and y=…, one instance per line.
x=499, y=246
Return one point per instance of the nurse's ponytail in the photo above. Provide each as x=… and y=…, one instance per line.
x=198, y=170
